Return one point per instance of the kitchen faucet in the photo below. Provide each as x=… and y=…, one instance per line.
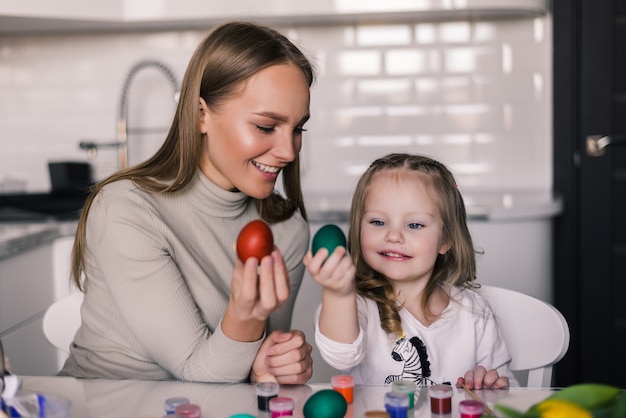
x=122, y=125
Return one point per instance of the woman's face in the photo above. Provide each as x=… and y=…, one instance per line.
x=255, y=133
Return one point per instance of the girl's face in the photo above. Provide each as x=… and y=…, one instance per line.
x=254, y=134
x=401, y=229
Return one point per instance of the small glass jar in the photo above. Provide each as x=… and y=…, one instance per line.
x=344, y=384
x=406, y=386
x=189, y=410
x=440, y=399
x=172, y=403
x=265, y=392
x=471, y=409
x=281, y=406
x=397, y=404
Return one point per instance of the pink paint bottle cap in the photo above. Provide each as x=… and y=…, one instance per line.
x=190, y=410
x=282, y=405
x=471, y=407
x=342, y=381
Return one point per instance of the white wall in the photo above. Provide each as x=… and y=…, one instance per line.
x=476, y=95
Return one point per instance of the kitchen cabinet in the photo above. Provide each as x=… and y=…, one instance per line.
x=32, y=16
x=26, y=291
x=63, y=9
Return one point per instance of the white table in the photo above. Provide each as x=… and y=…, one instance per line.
x=133, y=399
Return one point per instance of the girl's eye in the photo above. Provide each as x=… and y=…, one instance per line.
x=415, y=225
x=377, y=222
x=265, y=129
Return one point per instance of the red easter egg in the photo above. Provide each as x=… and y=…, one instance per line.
x=255, y=240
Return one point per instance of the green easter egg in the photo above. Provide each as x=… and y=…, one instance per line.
x=325, y=403
x=330, y=237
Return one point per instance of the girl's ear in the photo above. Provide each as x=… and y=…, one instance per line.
x=444, y=248
x=204, y=117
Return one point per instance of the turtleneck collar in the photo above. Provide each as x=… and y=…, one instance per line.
x=215, y=201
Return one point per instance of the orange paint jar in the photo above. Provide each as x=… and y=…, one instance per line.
x=344, y=384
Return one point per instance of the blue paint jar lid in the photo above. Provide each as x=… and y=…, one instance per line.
x=172, y=403
x=396, y=399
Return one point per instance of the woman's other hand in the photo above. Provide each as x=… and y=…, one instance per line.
x=257, y=290
x=482, y=378
x=284, y=357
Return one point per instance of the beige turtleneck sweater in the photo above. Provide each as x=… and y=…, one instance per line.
x=159, y=268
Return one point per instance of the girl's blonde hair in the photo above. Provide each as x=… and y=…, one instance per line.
x=227, y=57
x=456, y=267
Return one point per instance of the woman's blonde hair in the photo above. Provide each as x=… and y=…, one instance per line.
x=457, y=266
x=228, y=56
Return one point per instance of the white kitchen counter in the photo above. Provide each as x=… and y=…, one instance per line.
x=17, y=237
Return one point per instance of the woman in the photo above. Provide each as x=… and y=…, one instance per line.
x=165, y=295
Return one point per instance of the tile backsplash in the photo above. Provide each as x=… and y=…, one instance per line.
x=475, y=94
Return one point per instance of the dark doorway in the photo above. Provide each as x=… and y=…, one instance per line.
x=590, y=236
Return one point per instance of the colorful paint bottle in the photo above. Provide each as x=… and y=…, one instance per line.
x=440, y=399
x=471, y=409
x=344, y=384
x=190, y=410
x=172, y=403
x=265, y=392
x=406, y=386
x=397, y=404
x=281, y=406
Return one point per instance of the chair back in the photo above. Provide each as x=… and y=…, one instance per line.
x=535, y=332
x=61, y=321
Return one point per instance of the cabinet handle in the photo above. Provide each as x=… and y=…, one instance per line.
x=597, y=143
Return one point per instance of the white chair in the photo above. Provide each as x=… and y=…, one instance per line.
x=61, y=321
x=535, y=332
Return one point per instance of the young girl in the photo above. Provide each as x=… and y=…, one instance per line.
x=403, y=306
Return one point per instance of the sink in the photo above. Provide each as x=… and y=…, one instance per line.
x=40, y=206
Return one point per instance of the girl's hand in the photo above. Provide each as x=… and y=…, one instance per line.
x=284, y=357
x=256, y=290
x=335, y=273
x=482, y=378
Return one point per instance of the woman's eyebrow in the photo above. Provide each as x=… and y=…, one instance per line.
x=281, y=118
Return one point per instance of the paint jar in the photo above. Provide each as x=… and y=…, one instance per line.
x=406, y=386
x=189, y=410
x=265, y=392
x=242, y=416
x=397, y=404
x=172, y=403
x=470, y=408
x=440, y=399
x=344, y=384
x=281, y=406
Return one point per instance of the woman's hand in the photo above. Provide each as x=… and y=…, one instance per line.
x=284, y=357
x=482, y=378
x=256, y=290
x=335, y=273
